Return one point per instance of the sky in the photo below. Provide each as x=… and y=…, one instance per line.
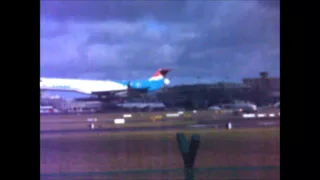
x=118, y=40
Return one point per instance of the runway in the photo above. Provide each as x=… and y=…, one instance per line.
x=236, y=123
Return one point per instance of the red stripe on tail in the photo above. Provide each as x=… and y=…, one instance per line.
x=162, y=72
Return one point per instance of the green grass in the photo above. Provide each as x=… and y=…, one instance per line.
x=100, y=125
x=152, y=119
x=251, y=133
x=101, y=152
x=135, y=116
x=260, y=172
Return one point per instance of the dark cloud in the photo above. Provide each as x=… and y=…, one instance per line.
x=274, y=4
x=116, y=10
x=118, y=39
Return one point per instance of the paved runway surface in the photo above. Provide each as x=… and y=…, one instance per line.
x=237, y=123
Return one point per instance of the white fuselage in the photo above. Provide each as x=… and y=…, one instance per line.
x=80, y=85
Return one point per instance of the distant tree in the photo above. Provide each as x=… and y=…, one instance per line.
x=188, y=105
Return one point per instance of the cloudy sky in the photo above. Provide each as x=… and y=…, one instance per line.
x=215, y=40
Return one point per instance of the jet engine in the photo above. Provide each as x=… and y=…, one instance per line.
x=166, y=81
x=166, y=84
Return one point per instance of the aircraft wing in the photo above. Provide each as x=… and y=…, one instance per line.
x=107, y=93
x=130, y=92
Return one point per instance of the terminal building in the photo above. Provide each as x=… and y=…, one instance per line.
x=54, y=101
x=260, y=90
x=203, y=95
x=264, y=89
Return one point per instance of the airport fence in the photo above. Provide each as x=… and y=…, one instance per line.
x=255, y=172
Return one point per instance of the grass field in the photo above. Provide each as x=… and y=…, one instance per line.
x=262, y=172
x=72, y=122
x=101, y=152
x=101, y=125
x=135, y=116
x=151, y=119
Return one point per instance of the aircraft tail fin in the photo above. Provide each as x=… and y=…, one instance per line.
x=161, y=72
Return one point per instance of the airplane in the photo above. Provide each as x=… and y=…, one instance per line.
x=108, y=88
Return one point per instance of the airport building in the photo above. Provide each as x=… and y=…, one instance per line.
x=203, y=95
x=260, y=90
x=82, y=106
x=264, y=89
x=54, y=101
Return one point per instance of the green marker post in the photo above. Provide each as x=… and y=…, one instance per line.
x=188, y=152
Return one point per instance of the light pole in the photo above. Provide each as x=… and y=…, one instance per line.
x=199, y=91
